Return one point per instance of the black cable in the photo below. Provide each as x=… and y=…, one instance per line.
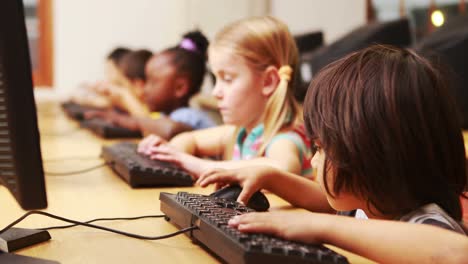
x=67, y=173
x=183, y=230
x=102, y=219
x=72, y=158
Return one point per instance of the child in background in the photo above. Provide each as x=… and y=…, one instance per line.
x=87, y=95
x=387, y=141
x=173, y=77
x=253, y=61
x=126, y=90
x=113, y=71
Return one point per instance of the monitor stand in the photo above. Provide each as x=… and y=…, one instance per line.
x=17, y=238
x=18, y=259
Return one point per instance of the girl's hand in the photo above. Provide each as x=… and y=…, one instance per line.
x=303, y=227
x=193, y=165
x=117, y=95
x=145, y=145
x=105, y=115
x=251, y=179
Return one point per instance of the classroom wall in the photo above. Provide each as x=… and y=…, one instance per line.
x=86, y=30
x=334, y=17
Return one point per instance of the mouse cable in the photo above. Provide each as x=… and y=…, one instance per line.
x=181, y=231
x=67, y=173
x=102, y=219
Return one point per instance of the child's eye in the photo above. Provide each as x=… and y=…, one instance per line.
x=227, y=78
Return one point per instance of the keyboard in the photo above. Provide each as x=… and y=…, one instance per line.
x=108, y=130
x=76, y=111
x=140, y=171
x=211, y=214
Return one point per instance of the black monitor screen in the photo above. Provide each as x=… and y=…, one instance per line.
x=20, y=155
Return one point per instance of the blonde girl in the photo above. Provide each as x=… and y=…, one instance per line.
x=254, y=61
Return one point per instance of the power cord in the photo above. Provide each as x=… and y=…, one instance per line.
x=181, y=231
x=102, y=219
x=67, y=173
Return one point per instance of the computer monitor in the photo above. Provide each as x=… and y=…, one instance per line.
x=447, y=46
x=20, y=156
x=307, y=42
x=395, y=33
x=21, y=169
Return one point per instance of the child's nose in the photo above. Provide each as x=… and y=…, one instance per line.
x=217, y=91
x=314, y=161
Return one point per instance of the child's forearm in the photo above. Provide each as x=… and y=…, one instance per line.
x=163, y=127
x=297, y=190
x=237, y=164
x=134, y=106
x=185, y=142
x=395, y=242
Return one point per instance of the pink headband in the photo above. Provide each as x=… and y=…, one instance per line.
x=188, y=44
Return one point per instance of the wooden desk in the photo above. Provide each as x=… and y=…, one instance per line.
x=100, y=193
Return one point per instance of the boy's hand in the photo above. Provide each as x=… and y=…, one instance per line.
x=251, y=179
x=304, y=227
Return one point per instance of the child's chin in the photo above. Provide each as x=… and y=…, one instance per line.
x=231, y=123
x=227, y=121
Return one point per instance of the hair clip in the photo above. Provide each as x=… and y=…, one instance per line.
x=188, y=44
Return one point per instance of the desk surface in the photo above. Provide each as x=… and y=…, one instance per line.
x=100, y=193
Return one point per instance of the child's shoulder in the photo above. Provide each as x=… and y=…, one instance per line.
x=193, y=117
x=296, y=130
x=432, y=214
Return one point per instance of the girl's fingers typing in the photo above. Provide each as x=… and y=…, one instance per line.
x=214, y=177
x=145, y=143
x=164, y=157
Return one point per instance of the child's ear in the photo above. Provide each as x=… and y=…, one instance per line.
x=181, y=87
x=271, y=80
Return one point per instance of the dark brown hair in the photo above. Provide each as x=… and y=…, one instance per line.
x=116, y=54
x=191, y=63
x=133, y=64
x=387, y=125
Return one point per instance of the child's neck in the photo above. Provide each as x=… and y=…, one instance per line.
x=176, y=106
x=375, y=214
x=249, y=127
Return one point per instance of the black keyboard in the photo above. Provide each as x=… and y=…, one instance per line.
x=76, y=111
x=140, y=171
x=106, y=129
x=211, y=214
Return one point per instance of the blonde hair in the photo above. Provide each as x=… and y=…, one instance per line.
x=263, y=42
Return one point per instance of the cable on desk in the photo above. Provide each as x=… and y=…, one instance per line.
x=102, y=219
x=181, y=231
x=67, y=173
